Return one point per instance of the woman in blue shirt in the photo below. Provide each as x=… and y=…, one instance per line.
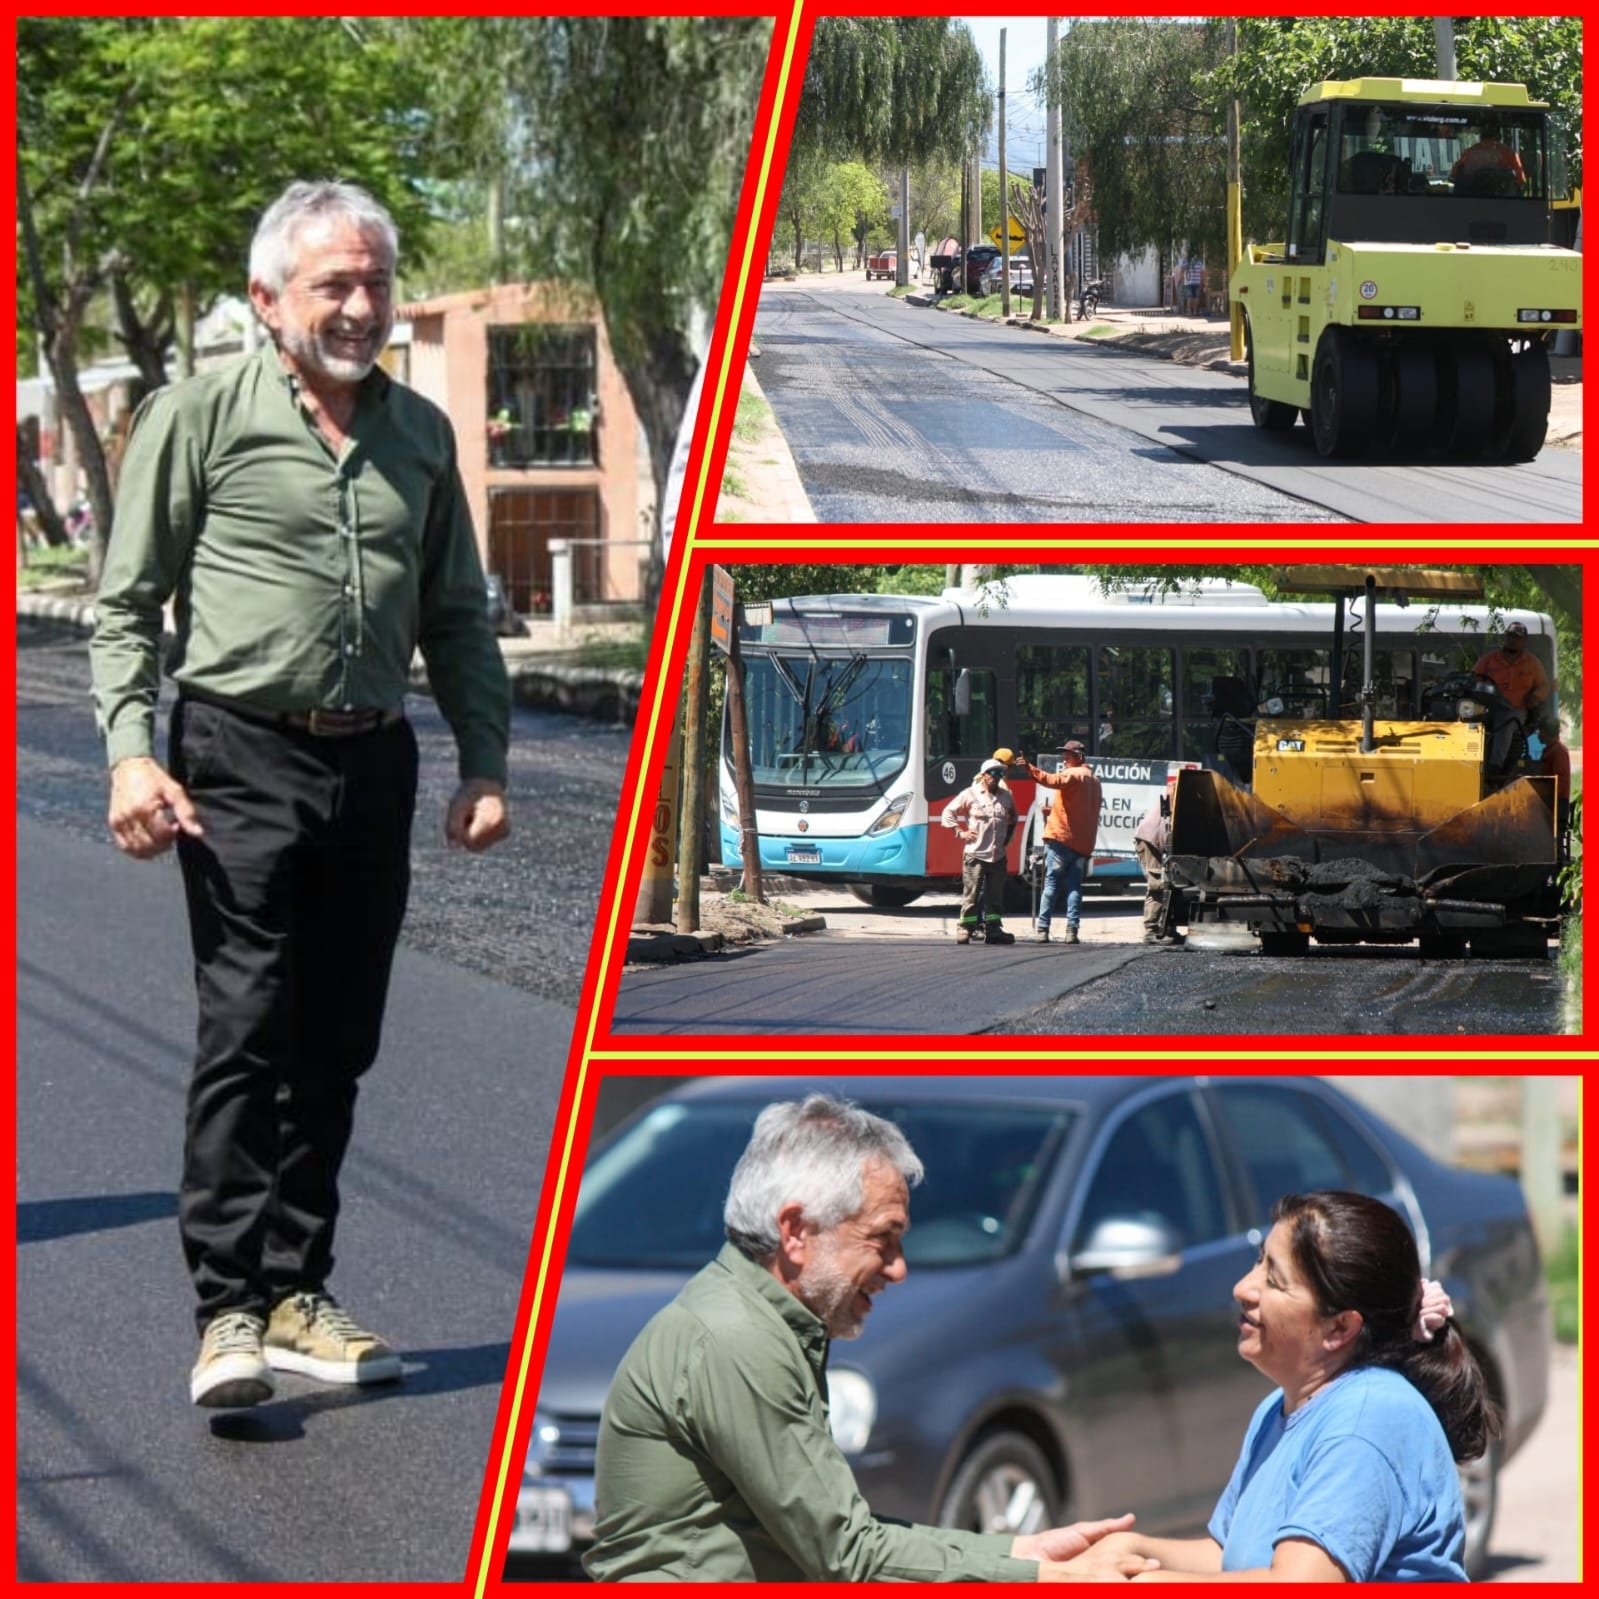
x=1347, y=1472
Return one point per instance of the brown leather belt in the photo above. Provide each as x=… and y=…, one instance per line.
x=320, y=721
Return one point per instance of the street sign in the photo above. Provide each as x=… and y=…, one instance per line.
x=1018, y=236
x=722, y=609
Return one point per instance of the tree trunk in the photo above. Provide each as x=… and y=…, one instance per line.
x=145, y=341
x=659, y=371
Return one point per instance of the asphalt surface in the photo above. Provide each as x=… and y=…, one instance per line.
x=901, y=413
x=880, y=972
x=120, y=1479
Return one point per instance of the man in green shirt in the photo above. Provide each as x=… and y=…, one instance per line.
x=715, y=1462
x=305, y=518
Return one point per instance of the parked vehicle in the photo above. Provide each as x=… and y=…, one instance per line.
x=1064, y=1345
x=1021, y=274
x=978, y=257
x=882, y=264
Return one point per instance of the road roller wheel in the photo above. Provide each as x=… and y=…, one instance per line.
x=1523, y=419
x=1414, y=418
x=1343, y=393
x=1469, y=425
x=1271, y=415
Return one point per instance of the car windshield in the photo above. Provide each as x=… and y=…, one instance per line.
x=653, y=1197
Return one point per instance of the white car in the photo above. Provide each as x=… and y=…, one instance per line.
x=1021, y=274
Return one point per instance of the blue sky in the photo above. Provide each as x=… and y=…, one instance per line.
x=1024, y=51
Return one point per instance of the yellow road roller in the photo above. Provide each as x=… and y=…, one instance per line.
x=1411, y=304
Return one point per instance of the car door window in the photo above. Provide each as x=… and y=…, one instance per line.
x=1157, y=1165
x=1287, y=1147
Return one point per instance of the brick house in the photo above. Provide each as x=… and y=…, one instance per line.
x=548, y=438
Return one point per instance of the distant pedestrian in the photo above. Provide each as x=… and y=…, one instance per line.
x=983, y=817
x=1193, y=284
x=1069, y=835
x=306, y=517
x=1152, y=844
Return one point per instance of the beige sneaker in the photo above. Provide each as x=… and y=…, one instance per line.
x=232, y=1369
x=313, y=1335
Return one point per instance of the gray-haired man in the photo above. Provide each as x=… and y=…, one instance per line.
x=306, y=519
x=715, y=1462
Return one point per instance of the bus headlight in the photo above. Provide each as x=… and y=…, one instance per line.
x=891, y=817
x=851, y=1409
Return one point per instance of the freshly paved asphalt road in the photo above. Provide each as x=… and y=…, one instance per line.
x=120, y=1479
x=897, y=413
x=876, y=972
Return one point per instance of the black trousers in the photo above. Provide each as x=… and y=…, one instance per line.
x=296, y=893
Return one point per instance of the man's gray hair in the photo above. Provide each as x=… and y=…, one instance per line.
x=814, y=1151
x=272, y=250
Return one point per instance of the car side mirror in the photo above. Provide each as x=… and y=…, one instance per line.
x=1127, y=1247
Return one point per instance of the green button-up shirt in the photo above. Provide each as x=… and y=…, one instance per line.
x=715, y=1462
x=300, y=577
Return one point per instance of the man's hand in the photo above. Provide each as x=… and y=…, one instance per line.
x=477, y=816
x=148, y=808
x=1086, y=1551
x=1066, y=1543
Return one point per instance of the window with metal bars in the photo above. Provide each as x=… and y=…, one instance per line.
x=542, y=396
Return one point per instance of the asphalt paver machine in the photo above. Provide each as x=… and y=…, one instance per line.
x=1362, y=829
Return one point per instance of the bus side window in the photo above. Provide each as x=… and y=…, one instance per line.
x=952, y=735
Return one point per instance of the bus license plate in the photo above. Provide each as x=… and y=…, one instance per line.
x=799, y=856
x=544, y=1520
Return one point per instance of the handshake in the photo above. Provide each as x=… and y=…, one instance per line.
x=1087, y=1551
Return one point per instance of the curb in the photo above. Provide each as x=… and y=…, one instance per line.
x=648, y=944
x=795, y=504
x=601, y=694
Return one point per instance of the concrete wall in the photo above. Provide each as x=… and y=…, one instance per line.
x=449, y=364
x=1422, y=1108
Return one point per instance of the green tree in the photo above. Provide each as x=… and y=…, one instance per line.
x=627, y=143
x=1139, y=115
x=832, y=199
x=893, y=89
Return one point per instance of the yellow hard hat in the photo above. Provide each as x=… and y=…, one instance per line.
x=1008, y=756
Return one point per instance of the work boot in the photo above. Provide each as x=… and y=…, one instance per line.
x=963, y=934
x=1041, y=936
x=997, y=935
x=1070, y=936
x=312, y=1334
x=231, y=1371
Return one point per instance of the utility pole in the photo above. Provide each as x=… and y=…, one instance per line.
x=1053, y=187
x=692, y=824
x=1004, y=194
x=1235, y=205
x=902, y=234
x=1443, y=34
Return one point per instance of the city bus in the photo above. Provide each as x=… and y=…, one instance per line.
x=868, y=713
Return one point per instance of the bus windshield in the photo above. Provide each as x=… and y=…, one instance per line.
x=1444, y=150
x=825, y=721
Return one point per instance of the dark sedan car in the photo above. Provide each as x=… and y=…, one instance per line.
x=1065, y=1343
